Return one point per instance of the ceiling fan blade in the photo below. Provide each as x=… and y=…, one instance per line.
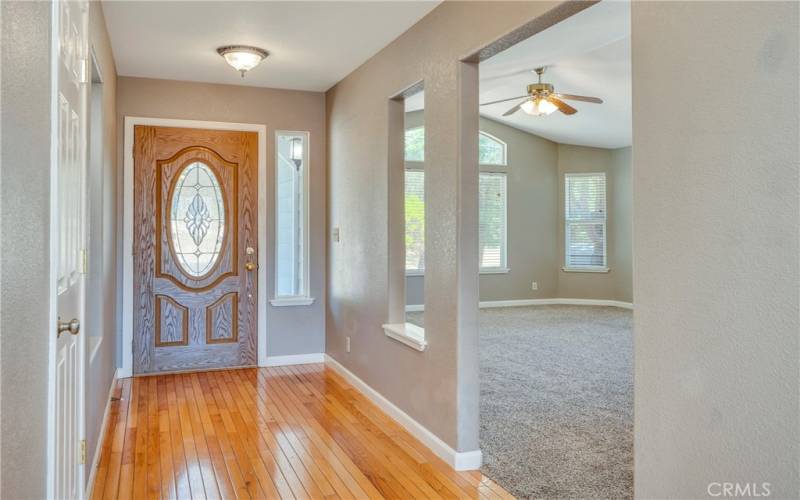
x=583, y=98
x=503, y=100
x=514, y=109
x=562, y=106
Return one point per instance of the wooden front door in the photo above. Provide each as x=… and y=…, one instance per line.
x=195, y=249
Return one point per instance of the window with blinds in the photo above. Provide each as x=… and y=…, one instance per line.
x=415, y=220
x=585, y=220
x=492, y=206
x=492, y=220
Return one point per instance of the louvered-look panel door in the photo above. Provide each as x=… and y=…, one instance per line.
x=195, y=249
x=70, y=31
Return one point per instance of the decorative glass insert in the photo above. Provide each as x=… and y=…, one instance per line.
x=197, y=219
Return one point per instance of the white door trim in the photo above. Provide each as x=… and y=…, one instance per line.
x=126, y=370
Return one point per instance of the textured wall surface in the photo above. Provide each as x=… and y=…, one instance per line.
x=617, y=283
x=716, y=232
x=436, y=387
x=25, y=246
x=101, y=364
x=290, y=330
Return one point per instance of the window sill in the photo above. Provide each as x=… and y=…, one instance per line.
x=492, y=270
x=291, y=301
x=585, y=269
x=406, y=333
x=495, y=270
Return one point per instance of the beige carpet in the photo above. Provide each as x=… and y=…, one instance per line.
x=557, y=400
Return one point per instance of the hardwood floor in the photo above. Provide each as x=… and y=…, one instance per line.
x=288, y=432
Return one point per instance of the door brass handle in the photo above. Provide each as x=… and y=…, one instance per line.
x=251, y=266
x=73, y=327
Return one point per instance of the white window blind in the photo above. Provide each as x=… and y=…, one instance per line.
x=492, y=220
x=415, y=220
x=492, y=203
x=585, y=220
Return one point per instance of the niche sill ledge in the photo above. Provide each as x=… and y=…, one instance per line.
x=406, y=333
x=292, y=301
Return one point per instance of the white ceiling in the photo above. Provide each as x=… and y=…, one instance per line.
x=586, y=54
x=312, y=45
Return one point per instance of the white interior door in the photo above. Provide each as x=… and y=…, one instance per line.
x=70, y=29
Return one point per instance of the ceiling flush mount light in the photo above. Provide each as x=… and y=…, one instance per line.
x=242, y=58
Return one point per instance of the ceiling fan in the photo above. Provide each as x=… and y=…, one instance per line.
x=543, y=100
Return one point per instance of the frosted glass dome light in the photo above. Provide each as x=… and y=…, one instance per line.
x=242, y=58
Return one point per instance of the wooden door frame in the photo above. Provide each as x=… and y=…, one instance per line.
x=126, y=370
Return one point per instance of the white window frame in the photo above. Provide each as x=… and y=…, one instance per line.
x=305, y=298
x=487, y=169
x=567, y=222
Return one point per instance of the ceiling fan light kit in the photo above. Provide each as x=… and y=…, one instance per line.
x=543, y=100
x=242, y=58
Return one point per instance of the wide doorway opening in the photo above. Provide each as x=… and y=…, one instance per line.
x=555, y=223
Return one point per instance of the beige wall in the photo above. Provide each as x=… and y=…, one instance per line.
x=716, y=233
x=617, y=283
x=290, y=330
x=437, y=387
x=101, y=361
x=25, y=247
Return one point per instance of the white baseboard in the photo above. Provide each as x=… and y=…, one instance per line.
x=539, y=302
x=295, y=359
x=101, y=437
x=470, y=460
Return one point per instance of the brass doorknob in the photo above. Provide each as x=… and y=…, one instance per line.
x=73, y=326
x=251, y=266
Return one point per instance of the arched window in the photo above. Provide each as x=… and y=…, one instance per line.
x=491, y=150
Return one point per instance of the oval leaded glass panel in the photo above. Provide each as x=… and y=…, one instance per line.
x=197, y=219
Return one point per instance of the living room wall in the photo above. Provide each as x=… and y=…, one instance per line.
x=535, y=220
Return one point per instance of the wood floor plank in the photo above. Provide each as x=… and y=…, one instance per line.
x=294, y=432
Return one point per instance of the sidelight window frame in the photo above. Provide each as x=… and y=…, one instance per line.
x=303, y=296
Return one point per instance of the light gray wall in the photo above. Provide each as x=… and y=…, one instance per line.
x=100, y=368
x=532, y=219
x=437, y=387
x=617, y=283
x=716, y=233
x=620, y=212
x=290, y=330
x=24, y=246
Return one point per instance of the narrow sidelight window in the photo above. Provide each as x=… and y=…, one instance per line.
x=585, y=221
x=291, y=215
